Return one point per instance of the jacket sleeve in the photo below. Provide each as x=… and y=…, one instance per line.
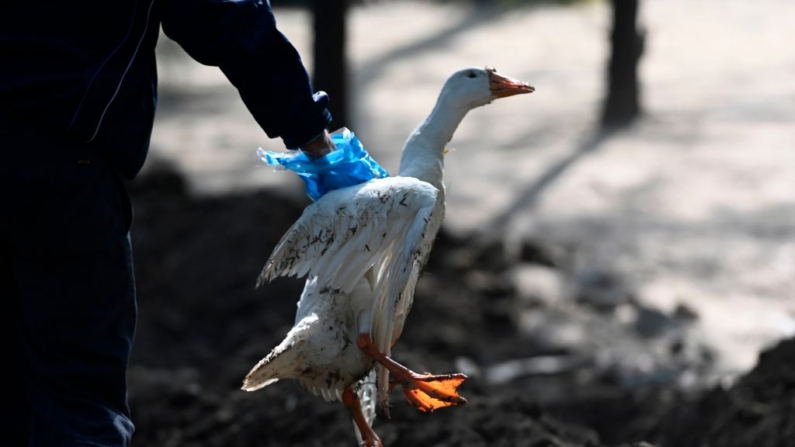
x=240, y=37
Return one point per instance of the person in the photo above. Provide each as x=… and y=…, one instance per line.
x=77, y=102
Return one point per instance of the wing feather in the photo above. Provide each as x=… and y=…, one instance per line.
x=384, y=229
x=348, y=230
x=395, y=285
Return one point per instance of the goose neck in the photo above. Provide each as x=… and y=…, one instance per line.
x=423, y=154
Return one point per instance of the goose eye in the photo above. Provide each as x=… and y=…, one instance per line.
x=472, y=75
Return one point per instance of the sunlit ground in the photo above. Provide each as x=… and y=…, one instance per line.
x=695, y=205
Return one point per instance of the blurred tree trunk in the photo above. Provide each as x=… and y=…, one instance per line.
x=331, y=73
x=622, y=105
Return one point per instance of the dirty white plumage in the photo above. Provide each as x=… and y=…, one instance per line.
x=362, y=249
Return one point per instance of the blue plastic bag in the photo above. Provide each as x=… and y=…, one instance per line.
x=349, y=165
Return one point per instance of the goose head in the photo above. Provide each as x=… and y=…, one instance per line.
x=472, y=87
x=463, y=91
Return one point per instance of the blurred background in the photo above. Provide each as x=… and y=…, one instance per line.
x=618, y=243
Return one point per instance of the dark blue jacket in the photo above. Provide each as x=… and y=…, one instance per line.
x=85, y=70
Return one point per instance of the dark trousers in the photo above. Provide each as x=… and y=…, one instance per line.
x=67, y=289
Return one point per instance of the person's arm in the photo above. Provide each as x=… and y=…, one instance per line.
x=240, y=37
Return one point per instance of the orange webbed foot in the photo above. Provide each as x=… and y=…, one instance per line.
x=428, y=392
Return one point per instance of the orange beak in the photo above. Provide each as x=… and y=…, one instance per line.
x=503, y=87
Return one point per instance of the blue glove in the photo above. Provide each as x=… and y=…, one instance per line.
x=349, y=165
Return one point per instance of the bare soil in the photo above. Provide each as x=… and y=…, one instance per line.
x=578, y=369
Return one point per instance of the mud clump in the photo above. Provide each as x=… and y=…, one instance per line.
x=758, y=410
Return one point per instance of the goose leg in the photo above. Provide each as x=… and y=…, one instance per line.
x=425, y=392
x=369, y=437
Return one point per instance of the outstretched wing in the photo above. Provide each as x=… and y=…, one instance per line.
x=350, y=230
x=385, y=227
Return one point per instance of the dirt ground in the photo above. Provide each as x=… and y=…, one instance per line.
x=579, y=374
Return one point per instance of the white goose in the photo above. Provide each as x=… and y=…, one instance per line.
x=363, y=248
